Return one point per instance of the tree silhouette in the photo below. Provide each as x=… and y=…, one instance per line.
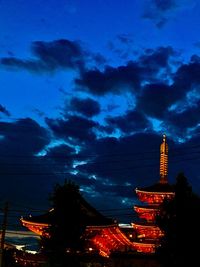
x=63, y=237
x=179, y=219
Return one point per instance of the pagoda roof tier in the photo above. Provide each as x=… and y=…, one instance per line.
x=144, y=224
x=147, y=247
x=37, y=228
x=155, y=194
x=158, y=188
x=43, y=219
x=100, y=227
x=147, y=207
x=147, y=231
x=148, y=213
x=108, y=239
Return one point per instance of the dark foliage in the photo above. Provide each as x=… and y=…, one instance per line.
x=8, y=258
x=179, y=219
x=65, y=232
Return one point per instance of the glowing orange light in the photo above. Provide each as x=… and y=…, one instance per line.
x=163, y=160
x=38, y=228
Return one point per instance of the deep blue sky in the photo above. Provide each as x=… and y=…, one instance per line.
x=87, y=90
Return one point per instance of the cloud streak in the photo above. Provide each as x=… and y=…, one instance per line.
x=49, y=57
x=161, y=11
x=4, y=111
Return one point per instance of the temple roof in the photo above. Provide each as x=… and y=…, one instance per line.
x=158, y=187
x=45, y=218
x=149, y=207
x=89, y=216
x=144, y=224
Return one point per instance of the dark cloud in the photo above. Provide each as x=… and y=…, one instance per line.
x=74, y=127
x=24, y=176
x=159, y=11
x=187, y=76
x=129, y=77
x=123, y=47
x=185, y=158
x=158, y=58
x=23, y=137
x=38, y=112
x=63, y=154
x=98, y=59
x=124, y=160
x=164, y=5
x=14, y=63
x=4, y=111
x=125, y=38
x=132, y=121
x=180, y=122
x=27, y=177
x=113, y=80
x=87, y=106
x=155, y=99
x=50, y=56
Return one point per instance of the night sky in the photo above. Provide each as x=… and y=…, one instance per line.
x=87, y=90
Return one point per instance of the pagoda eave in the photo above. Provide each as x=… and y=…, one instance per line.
x=146, y=248
x=37, y=228
x=146, y=212
x=100, y=227
x=148, y=231
x=153, y=197
x=108, y=239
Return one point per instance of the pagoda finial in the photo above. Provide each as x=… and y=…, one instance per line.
x=163, y=161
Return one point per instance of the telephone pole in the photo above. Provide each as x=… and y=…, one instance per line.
x=3, y=233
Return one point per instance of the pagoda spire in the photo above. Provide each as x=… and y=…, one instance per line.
x=163, y=161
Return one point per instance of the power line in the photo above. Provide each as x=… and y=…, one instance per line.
x=140, y=158
x=102, y=155
x=22, y=234
x=124, y=169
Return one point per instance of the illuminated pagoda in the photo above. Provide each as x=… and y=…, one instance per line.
x=148, y=233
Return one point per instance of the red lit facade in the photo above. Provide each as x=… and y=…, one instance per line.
x=153, y=197
x=147, y=213
x=37, y=228
x=148, y=233
x=108, y=239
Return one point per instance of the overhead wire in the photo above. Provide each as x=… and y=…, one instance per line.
x=152, y=151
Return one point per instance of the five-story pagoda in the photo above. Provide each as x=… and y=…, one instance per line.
x=148, y=233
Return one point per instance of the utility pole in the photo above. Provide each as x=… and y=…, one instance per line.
x=3, y=233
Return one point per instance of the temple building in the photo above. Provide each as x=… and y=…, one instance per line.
x=104, y=235
x=148, y=233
